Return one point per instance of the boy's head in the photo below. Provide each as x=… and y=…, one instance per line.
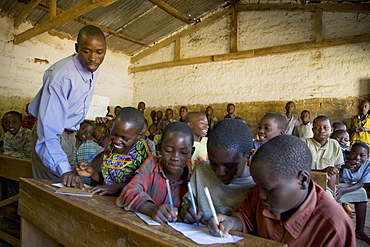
x=91, y=47
x=127, y=128
x=117, y=109
x=153, y=129
x=85, y=132
x=305, y=116
x=169, y=113
x=271, y=125
x=153, y=114
x=290, y=107
x=281, y=169
x=12, y=122
x=198, y=123
x=183, y=112
x=364, y=107
x=229, y=148
x=339, y=126
x=159, y=115
x=141, y=106
x=359, y=152
x=209, y=111
x=100, y=131
x=321, y=127
x=177, y=143
x=342, y=137
x=163, y=124
x=230, y=108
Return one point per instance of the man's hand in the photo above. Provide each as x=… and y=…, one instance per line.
x=71, y=179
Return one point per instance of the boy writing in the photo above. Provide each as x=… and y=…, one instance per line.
x=199, y=124
x=17, y=141
x=147, y=193
x=225, y=174
x=286, y=205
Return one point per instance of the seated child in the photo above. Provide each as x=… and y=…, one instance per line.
x=305, y=129
x=225, y=174
x=147, y=193
x=149, y=142
x=286, y=205
x=153, y=130
x=123, y=156
x=342, y=137
x=271, y=125
x=85, y=148
x=158, y=137
x=199, y=124
x=326, y=152
x=355, y=173
x=100, y=135
x=17, y=140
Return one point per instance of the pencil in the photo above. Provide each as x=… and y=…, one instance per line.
x=192, y=199
x=208, y=196
x=169, y=194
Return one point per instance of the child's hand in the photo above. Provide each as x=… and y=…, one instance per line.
x=227, y=223
x=187, y=214
x=164, y=213
x=85, y=170
x=351, y=164
x=331, y=171
x=111, y=189
x=340, y=192
x=102, y=120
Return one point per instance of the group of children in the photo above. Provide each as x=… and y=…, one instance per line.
x=261, y=186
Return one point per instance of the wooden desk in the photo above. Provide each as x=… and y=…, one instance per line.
x=49, y=218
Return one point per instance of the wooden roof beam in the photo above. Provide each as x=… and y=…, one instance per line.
x=66, y=16
x=329, y=7
x=25, y=12
x=172, y=11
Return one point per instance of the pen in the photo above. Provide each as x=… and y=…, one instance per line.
x=90, y=159
x=169, y=195
x=208, y=196
x=192, y=199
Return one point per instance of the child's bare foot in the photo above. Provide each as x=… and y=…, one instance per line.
x=363, y=236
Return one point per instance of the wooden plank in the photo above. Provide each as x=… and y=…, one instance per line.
x=329, y=7
x=9, y=200
x=14, y=169
x=191, y=29
x=96, y=221
x=10, y=239
x=52, y=9
x=280, y=49
x=25, y=12
x=234, y=31
x=177, y=49
x=172, y=11
x=61, y=19
x=32, y=236
x=320, y=178
x=318, y=25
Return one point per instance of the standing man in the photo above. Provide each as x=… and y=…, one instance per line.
x=61, y=105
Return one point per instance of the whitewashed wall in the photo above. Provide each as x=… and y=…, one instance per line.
x=21, y=75
x=336, y=72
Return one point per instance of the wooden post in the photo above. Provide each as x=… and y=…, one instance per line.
x=52, y=9
x=234, y=31
x=318, y=25
x=177, y=49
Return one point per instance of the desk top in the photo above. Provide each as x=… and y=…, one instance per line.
x=96, y=221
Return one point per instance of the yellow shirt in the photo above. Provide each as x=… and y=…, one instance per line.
x=328, y=155
x=363, y=136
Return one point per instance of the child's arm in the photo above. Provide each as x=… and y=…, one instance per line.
x=227, y=223
x=108, y=189
x=342, y=190
x=85, y=170
x=187, y=213
x=162, y=213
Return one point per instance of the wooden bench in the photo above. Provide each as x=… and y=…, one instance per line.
x=50, y=219
x=13, y=169
x=321, y=178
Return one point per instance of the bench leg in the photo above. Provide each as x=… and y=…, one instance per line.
x=32, y=236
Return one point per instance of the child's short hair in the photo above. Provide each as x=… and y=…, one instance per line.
x=87, y=122
x=178, y=127
x=132, y=115
x=361, y=144
x=290, y=102
x=337, y=132
x=13, y=113
x=322, y=117
x=231, y=104
x=279, y=118
x=232, y=135
x=191, y=115
x=305, y=111
x=286, y=155
x=337, y=124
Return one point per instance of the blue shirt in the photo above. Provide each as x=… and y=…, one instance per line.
x=362, y=175
x=61, y=103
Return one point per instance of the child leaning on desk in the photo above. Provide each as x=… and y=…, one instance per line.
x=124, y=155
x=286, y=205
x=147, y=193
x=225, y=174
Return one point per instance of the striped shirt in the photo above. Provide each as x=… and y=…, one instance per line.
x=86, y=149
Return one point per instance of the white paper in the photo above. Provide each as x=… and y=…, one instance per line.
x=147, y=219
x=98, y=107
x=59, y=185
x=200, y=234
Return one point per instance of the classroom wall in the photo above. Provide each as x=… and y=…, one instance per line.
x=327, y=81
x=22, y=67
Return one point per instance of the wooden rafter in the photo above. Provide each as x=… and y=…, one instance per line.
x=25, y=12
x=66, y=16
x=52, y=9
x=171, y=10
